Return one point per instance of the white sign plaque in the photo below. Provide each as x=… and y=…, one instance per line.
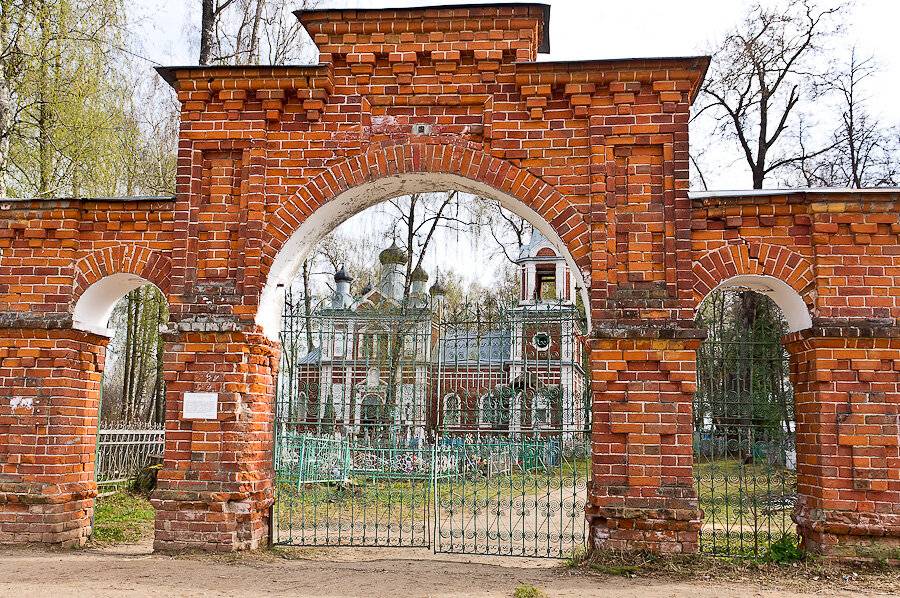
x=200, y=405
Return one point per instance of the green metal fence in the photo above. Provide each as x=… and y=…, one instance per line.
x=464, y=430
x=523, y=498
x=744, y=447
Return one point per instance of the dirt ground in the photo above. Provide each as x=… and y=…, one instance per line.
x=135, y=571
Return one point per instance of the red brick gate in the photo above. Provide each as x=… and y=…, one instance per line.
x=594, y=152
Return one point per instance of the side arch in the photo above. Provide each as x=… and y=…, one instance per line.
x=366, y=179
x=104, y=276
x=782, y=274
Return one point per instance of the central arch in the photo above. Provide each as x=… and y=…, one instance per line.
x=367, y=179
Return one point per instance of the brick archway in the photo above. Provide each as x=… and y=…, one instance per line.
x=361, y=181
x=150, y=265
x=271, y=157
x=104, y=276
x=786, y=276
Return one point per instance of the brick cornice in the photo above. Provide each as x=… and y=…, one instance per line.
x=661, y=329
x=846, y=328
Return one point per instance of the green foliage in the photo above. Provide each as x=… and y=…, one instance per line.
x=72, y=125
x=133, y=387
x=526, y=590
x=577, y=558
x=784, y=551
x=619, y=570
x=122, y=518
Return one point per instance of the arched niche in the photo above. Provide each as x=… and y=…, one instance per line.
x=789, y=301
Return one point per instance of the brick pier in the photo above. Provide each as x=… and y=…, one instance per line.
x=594, y=152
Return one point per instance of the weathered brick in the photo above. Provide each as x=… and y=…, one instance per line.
x=598, y=150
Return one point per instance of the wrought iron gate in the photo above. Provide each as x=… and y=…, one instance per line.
x=744, y=449
x=466, y=432
x=123, y=448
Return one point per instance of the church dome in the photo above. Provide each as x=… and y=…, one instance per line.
x=393, y=255
x=437, y=289
x=342, y=276
x=419, y=274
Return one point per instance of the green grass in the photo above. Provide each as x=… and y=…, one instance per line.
x=526, y=590
x=409, y=501
x=746, y=507
x=734, y=494
x=122, y=518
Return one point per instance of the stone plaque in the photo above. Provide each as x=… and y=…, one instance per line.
x=200, y=405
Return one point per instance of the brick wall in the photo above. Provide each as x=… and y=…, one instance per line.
x=642, y=492
x=49, y=405
x=837, y=250
x=51, y=251
x=840, y=252
x=271, y=158
x=847, y=397
x=217, y=486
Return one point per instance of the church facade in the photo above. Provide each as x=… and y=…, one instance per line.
x=402, y=366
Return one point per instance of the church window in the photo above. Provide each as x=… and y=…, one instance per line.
x=545, y=282
x=541, y=341
x=451, y=410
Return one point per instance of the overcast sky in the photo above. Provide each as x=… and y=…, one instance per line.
x=584, y=29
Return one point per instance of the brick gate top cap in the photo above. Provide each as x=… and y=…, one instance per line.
x=464, y=26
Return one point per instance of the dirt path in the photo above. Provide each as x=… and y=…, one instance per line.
x=135, y=571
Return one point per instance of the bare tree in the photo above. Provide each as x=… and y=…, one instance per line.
x=508, y=230
x=865, y=153
x=418, y=218
x=251, y=32
x=210, y=14
x=760, y=76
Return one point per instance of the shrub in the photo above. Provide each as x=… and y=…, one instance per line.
x=526, y=590
x=784, y=551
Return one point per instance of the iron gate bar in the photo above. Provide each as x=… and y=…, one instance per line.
x=465, y=431
x=744, y=428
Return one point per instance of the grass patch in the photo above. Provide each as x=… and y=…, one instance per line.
x=784, y=551
x=122, y=518
x=526, y=590
x=577, y=557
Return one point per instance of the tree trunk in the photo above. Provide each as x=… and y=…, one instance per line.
x=207, y=27
x=126, y=358
x=43, y=92
x=759, y=177
x=6, y=110
x=253, y=54
x=307, y=306
x=5, y=126
x=159, y=390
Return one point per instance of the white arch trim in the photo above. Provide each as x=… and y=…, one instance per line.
x=332, y=213
x=795, y=311
x=95, y=306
